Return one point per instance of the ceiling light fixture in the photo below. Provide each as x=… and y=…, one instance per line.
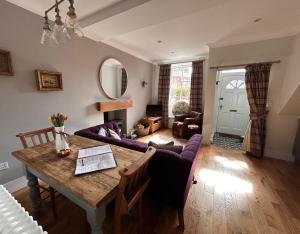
x=60, y=32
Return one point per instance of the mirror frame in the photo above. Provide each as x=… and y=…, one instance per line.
x=100, y=78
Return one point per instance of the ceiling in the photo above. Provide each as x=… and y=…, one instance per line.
x=186, y=29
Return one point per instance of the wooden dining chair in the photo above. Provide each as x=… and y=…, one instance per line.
x=34, y=138
x=133, y=183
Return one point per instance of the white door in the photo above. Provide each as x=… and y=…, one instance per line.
x=233, y=111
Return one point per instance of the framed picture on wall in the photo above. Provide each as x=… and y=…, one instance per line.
x=5, y=63
x=48, y=80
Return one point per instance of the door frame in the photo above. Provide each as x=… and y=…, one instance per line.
x=218, y=94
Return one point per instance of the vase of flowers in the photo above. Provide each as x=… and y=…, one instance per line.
x=61, y=143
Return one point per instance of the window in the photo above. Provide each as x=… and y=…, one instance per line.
x=180, y=84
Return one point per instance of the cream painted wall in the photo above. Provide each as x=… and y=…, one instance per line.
x=281, y=129
x=290, y=94
x=23, y=108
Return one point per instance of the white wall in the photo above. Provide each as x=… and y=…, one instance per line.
x=155, y=80
x=290, y=94
x=23, y=108
x=281, y=129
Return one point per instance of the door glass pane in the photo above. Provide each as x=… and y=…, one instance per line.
x=239, y=84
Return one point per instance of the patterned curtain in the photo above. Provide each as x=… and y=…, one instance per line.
x=123, y=81
x=257, y=81
x=163, y=91
x=196, y=86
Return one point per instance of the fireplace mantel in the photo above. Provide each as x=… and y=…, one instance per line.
x=110, y=105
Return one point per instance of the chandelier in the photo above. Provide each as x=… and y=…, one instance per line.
x=61, y=31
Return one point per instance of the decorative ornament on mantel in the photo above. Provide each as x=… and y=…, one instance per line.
x=61, y=143
x=60, y=32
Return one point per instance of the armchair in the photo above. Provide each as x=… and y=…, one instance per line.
x=186, y=125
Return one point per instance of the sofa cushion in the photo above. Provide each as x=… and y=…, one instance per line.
x=113, y=134
x=135, y=145
x=175, y=148
x=102, y=132
x=191, y=148
x=151, y=143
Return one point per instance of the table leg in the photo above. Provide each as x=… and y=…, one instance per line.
x=96, y=218
x=34, y=194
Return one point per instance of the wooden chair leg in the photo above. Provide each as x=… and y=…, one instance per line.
x=181, y=220
x=141, y=217
x=52, y=197
x=87, y=226
x=117, y=224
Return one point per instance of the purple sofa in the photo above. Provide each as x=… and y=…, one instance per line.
x=171, y=173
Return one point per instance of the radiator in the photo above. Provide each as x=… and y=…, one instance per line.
x=13, y=217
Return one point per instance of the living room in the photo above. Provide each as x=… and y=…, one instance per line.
x=169, y=56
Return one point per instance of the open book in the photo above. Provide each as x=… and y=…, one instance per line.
x=94, y=159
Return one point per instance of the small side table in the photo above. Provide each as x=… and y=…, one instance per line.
x=192, y=129
x=155, y=123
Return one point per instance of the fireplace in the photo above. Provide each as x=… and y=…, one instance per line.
x=119, y=116
x=116, y=111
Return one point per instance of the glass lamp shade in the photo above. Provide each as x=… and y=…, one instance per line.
x=75, y=29
x=71, y=20
x=47, y=38
x=60, y=33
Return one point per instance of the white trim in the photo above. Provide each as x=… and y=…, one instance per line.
x=279, y=155
x=17, y=184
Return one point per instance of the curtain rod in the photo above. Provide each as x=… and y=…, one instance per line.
x=241, y=65
x=190, y=61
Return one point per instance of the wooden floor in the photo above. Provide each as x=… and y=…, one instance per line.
x=234, y=194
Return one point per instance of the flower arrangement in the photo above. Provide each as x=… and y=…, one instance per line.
x=58, y=120
x=181, y=107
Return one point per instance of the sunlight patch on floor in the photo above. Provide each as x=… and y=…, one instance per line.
x=223, y=182
x=160, y=139
x=232, y=164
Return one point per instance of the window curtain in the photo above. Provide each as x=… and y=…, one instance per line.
x=257, y=81
x=196, y=86
x=123, y=81
x=163, y=91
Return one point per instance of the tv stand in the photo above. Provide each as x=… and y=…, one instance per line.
x=155, y=123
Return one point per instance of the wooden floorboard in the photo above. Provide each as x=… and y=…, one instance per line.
x=234, y=194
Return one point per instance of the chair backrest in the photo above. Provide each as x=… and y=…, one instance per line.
x=133, y=183
x=36, y=137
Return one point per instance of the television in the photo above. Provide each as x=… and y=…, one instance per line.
x=154, y=110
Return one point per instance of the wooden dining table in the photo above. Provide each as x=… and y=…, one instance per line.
x=92, y=191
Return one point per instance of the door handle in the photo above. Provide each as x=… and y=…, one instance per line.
x=233, y=110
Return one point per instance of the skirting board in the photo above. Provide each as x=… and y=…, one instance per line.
x=279, y=155
x=17, y=184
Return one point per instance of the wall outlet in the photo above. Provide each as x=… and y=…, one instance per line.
x=4, y=166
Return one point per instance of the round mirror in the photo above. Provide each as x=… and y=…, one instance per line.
x=113, y=78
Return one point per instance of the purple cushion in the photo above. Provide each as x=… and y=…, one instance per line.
x=191, y=147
